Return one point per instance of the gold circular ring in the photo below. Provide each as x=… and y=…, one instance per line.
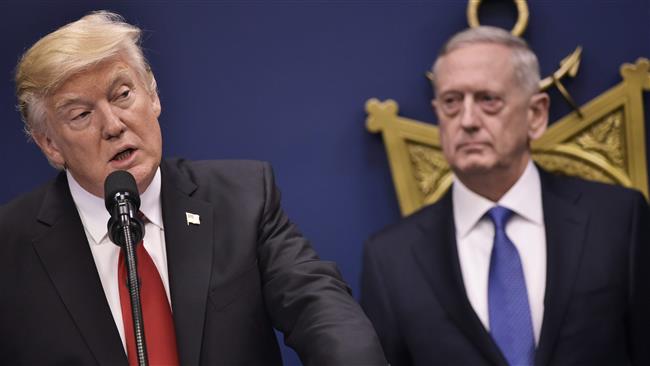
x=522, y=16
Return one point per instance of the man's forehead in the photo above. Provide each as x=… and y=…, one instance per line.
x=97, y=79
x=474, y=64
x=106, y=72
x=469, y=55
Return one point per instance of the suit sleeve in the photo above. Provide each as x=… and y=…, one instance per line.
x=306, y=297
x=639, y=303
x=375, y=300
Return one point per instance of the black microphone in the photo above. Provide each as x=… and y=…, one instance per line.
x=126, y=230
x=122, y=202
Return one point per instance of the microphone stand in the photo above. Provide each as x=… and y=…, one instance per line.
x=133, y=284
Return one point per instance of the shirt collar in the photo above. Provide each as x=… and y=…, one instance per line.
x=524, y=198
x=150, y=201
x=94, y=215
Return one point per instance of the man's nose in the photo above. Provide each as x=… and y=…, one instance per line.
x=469, y=116
x=112, y=125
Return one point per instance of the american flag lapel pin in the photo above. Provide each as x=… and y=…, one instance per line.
x=192, y=218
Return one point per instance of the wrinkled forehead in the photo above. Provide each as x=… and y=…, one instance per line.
x=474, y=65
x=103, y=75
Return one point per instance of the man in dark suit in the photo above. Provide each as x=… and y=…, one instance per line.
x=224, y=258
x=513, y=265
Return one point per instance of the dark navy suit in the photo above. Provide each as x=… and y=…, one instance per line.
x=242, y=271
x=596, y=305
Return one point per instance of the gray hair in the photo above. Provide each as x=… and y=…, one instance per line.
x=69, y=50
x=523, y=58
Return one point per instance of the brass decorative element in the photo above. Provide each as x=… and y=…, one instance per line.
x=606, y=144
x=522, y=16
x=420, y=173
x=604, y=138
x=429, y=166
x=568, y=66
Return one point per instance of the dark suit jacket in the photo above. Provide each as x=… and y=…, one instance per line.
x=596, y=308
x=242, y=271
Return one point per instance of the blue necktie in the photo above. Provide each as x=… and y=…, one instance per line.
x=511, y=325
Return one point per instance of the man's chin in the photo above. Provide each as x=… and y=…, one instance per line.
x=143, y=175
x=473, y=168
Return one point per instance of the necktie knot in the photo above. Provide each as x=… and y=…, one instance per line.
x=500, y=216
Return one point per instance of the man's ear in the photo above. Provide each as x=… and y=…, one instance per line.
x=538, y=115
x=434, y=107
x=155, y=99
x=50, y=148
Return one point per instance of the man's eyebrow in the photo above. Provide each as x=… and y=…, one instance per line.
x=120, y=76
x=449, y=92
x=67, y=101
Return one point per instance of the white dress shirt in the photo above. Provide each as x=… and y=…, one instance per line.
x=475, y=236
x=94, y=218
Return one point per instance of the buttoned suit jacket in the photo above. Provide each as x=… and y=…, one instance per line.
x=596, y=309
x=244, y=269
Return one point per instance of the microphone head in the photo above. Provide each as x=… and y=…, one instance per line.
x=120, y=182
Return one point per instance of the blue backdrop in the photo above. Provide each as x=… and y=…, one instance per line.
x=286, y=82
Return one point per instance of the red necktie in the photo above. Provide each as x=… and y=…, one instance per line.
x=158, y=322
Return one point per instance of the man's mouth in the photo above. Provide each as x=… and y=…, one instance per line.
x=470, y=145
x=123, y=155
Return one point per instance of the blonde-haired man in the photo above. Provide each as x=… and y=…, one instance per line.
x=514, y=265
x=239, y=268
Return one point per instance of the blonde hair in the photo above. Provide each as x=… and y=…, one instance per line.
x=69, y=50
x=524, y=60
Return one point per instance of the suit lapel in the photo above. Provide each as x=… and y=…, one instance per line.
x=437, y=257
x=565, y=230
x=63, y=249
x=189, y=253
